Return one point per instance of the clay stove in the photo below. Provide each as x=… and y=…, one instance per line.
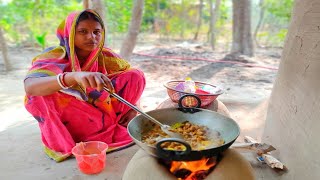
x=231, y=166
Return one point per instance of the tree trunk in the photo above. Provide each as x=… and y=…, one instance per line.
x=199, y=20
x=98, y=6
x=292, y=123
x=183, y=16
x=214, y=11
x=262, y=10
x=85, y=4
x=241, y=28
x=4, y=50
x=156, y=22
x=129, y=41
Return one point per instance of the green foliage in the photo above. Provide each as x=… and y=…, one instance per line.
x=280, y=9
x=278, y=38
x=225, y=15
x=41, y=40
x=25, y=20
x=152, y=9
x=118, y=15
x=34, y=22
x=5, y=24
x=270, y=38
x=275, y=23
x=282, y=34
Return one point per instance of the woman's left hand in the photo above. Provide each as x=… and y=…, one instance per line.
x=125, y=119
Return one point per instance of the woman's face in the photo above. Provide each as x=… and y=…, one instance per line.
x=88, y=35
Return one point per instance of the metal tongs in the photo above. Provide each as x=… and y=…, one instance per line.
x=165, y=128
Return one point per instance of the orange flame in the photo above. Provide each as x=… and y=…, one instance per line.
x=193, y=166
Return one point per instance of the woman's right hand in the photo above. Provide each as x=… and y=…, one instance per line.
x=43, y=86
x=95, y=80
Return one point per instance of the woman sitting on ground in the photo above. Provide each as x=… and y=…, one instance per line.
x=64, y=89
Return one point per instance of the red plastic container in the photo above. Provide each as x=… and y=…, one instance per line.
x=91, y=156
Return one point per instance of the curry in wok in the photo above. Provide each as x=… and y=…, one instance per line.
x=199, y=137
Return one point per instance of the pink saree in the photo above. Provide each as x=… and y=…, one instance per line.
x=74, y=115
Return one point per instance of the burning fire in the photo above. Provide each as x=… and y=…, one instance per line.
x=192, y=170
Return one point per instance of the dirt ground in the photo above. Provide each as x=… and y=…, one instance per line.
x=246, y=94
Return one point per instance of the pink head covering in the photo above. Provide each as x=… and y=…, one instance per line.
x=66, y=34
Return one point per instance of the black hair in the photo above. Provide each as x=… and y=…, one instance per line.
x=89, y=15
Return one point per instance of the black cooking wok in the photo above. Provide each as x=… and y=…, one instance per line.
x=227, y=127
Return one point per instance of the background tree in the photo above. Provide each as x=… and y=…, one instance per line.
x=183, y=15
x=261, y=16
x=4, y=50
x=214, y=11
x=241, y=28
x=118, y=14
x=199, y=20
x=85, y=4
x=33, y=23
x=129, y=41
x=275, y=23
